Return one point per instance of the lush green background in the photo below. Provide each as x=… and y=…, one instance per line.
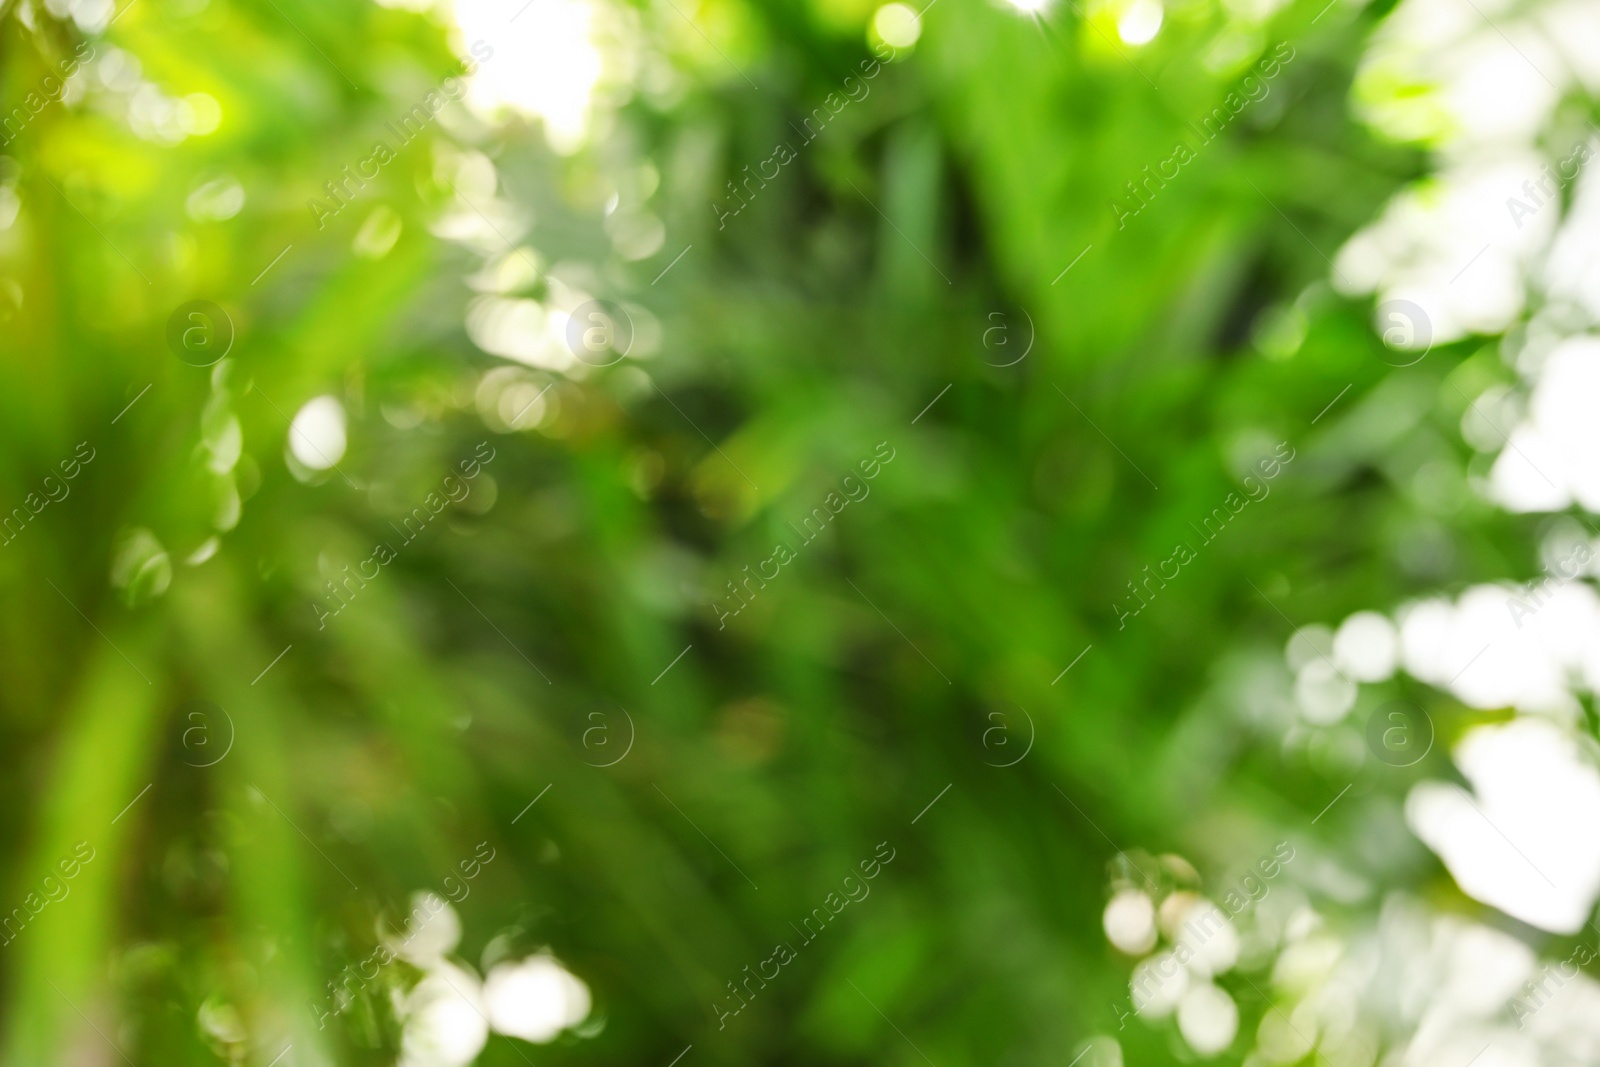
x=820, y=721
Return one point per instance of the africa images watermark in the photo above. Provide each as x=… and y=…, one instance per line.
x=55, y=489
x=52, y=87
x=411, y=526
x=1255, y=89
x=784, y=153
x=1562, y=572
x=428, y=905
x=411, y=125
x=1536, y=995
x=783, y=554
x=1219, y=517
x=54, y=889
x=1548, y=184
x=782, y=954
x=1196, y=932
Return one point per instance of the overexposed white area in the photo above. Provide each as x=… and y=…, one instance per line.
x=1140, y=21
x=1553, y=457
x=431, y=932
x=317, y=433
x=1533, y=646
x=1500, y=239
x=1449, y=244
x=1197, y=941
x=1208, y=1019
x=1527, y=838
x=1528, y=647
x=552, y=60
x=444, y=1021
x=520, y=329
x=548, y=62
x=448, y=1015
x=1452, y=74
x=1366, y=646
x=1478, y=82
x=1208, y=938
x=1419, y=989
x=1158, y=985
x=1571, y=272
x=1130, y=921
x=535, y=999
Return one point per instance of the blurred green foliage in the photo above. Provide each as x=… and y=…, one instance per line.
x=853, y=293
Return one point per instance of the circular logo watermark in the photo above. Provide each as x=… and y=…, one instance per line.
x=999, y=741
x=1005, y=342
x=1399, y=733
x=207, y=734
x=607, y=746
x=1406, y=331
x=199, y=333
x=599, y=332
